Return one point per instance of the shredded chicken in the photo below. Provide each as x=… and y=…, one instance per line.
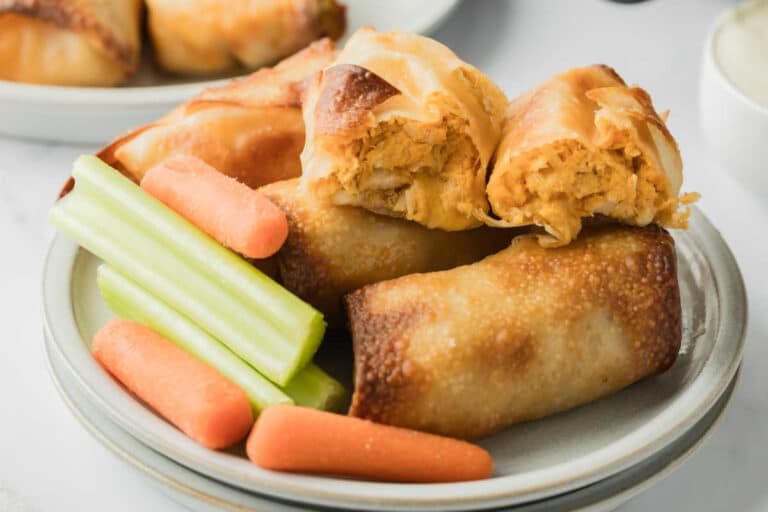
x=406, y=168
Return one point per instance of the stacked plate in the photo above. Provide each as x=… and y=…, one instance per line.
x=592, y=458
x=95, y=115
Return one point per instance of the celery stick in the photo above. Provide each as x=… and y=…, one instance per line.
x=129, y=300
x=312, y=387
x=264, y=323
x=298, y=322
x=143, y=259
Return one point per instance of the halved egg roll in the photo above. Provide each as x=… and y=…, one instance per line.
x=219, y=36
x=403, y=127
x=69, y=42
x=582, y=144
x=524, y=333
x=250, y=129
x=332, y=250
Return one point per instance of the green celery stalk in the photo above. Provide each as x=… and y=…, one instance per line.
x=311, y=387
x=292, y=316
x=129, y=300
x=113, y=218
x=162, y=274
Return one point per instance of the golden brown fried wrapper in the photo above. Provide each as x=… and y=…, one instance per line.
x=582, y=144
x=218, y=36
x=402, y=127
x=69, y=42
x=250, y=129
x=524, y=333
x=332, y=250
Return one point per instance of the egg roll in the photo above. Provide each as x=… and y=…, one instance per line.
x=332, y=250
x=403, y=127
x=581, y=144
x=524, y=333
x=217, y=36
x=250, y=129
x=69, y=42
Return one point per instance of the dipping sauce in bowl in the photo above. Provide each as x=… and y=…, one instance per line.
x=741, y=50
x=733, y=94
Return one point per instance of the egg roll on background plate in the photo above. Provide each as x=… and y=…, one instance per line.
x=69, y=42
x=218, y=36
x=403, y=127
x=522, y=334
x=250, y=129
x=332, y=250
x=583, y=143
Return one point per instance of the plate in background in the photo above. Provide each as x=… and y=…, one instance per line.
x=202, y=494
x=95, y=115
x=534, y=461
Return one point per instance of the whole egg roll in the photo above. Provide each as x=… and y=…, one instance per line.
x=250, y=129
x=403, y=127
x=582, y=144
x=218, y=36
x=332, y=250
x=69, y=42
x=524, y=333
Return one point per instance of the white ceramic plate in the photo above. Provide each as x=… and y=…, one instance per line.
x=202, y=494
x=533, y=461
x=95, y=115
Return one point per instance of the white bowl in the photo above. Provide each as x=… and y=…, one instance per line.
x=734, y=126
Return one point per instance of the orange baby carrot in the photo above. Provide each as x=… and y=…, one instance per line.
x=298, y=439
x=196, y=398
x=233, y=214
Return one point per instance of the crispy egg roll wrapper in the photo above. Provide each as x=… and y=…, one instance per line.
x=584, y=143
x=69, y=42
x=332, y=250
x=250, y=129
x=522, y=334
x=403, y=127
x=219, y=36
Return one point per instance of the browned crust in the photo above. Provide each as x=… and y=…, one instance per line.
x=233, y=93
x=640, y=289
x=305, y=271
x=612, y=72
x=658, y=334
x=330, y=19
x=380, y=346
x=302, y=269
x=290, y=99
x=70, y=16
x=107, y=153
x=67, y=188
x=347, y=96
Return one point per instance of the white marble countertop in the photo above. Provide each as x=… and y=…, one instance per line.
x=48, y=462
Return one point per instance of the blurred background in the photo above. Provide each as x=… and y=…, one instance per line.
x=658, y=44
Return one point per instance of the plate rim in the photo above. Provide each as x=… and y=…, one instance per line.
x=669, y=423
x=105, y=96
x=160, y=94
x=623, y=495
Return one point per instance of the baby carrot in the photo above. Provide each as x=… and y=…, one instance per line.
x=200, y=401
x=236, y=216
x=298, y=439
